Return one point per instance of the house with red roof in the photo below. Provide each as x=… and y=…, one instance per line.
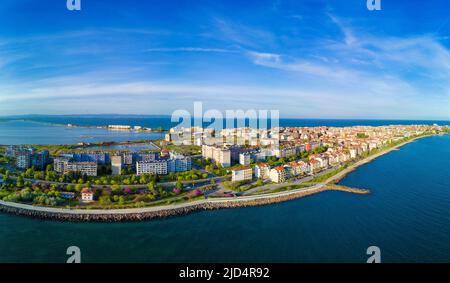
x=278, y=174
x=87, y=195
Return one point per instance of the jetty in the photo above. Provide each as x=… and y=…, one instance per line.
x=334, y=187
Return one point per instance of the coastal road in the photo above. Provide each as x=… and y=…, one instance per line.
x=193, y=183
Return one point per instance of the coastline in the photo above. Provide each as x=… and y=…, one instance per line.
x=142, y=130
x=137, y=214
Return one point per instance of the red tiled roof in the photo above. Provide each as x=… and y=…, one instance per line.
x=86, y=191
x=241, y=168
x=279, y=168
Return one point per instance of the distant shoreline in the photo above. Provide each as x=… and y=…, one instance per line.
x=69, y=125
x=137, y=214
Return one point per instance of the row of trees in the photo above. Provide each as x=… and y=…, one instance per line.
x=210, y=166
x=50, y=195
x=106, y=179
x=274, y=161
x=27, y=193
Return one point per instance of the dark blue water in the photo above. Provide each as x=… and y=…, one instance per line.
x=407, y=216
x=165, y=121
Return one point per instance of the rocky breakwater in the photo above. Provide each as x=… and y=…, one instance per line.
x=139, y=214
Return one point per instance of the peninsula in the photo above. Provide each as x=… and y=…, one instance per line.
x=176, y=179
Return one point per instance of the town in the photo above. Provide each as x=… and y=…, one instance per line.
x=257, y=161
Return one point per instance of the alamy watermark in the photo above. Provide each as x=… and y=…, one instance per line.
x=374, y=5
x=73, y=5
x=232, y=127
x=75, y=254
x=375, y=254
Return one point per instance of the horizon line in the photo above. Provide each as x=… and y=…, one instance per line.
x=286, y=118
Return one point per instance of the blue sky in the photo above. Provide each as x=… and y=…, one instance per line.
x=306, y=58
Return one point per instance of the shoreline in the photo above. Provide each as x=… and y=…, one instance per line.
x=143, y=130
x=150, y=213
x=146, y=213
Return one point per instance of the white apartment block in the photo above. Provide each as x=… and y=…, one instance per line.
x=152, y=167
x=85, y=168
x=278, y=174
x=244, y=159
x=262, y=171
x=241, y=174
x=116, y=165
x=219, y=155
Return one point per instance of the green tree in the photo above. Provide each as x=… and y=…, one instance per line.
x=105, y=200
x=151, y=186
x=19, y=182
x=116, y=189
x=78, y=187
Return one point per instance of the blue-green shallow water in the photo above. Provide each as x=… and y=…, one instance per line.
x=407, y=216
x=25, y=132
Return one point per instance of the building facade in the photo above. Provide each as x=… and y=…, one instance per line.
x=262, y=171
x=278, y=174
x=244, y=173
x=157, y=167
x=116, y=165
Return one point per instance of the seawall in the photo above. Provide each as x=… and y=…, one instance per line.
x=138, y=214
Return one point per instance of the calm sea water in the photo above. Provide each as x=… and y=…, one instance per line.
x=165, y=121
x=407, y=216
x=24, y=132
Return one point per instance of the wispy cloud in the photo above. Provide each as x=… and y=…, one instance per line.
x=243, y=35
x=349, y=38
x=192, y=49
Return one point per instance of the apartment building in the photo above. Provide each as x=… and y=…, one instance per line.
x=64, y=165
x=278, y=174
x=85, y=168
x=27, y=158
x=178, y=162
x=219, y=155
x=116, y=165
x=158, y=167
x=245, y=159
x=244, y=173
x=97, y=157
x=262, y=171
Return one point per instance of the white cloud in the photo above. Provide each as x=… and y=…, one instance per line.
x=411, y=74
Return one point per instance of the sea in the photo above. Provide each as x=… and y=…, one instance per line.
x=406, y=215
